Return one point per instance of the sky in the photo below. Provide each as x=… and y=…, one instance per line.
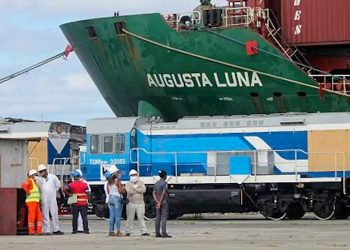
x=61, y=90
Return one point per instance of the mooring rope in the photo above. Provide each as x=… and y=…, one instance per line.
x=231, y=64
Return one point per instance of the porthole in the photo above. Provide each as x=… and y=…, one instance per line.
x=92, y=32
x=277, y=94
x=119, y=26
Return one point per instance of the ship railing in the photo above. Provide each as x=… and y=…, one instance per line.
x=63, y=167
x=184, y=21
x=244, y=16
x=240, y=16
x=339, y=83
x=262, y=162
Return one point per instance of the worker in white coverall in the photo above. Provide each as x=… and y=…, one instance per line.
x=88, y=191
x=49, y=185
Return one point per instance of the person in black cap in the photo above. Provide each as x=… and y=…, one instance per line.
x=160, y=197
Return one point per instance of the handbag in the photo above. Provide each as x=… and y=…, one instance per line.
x=72, y=199
x=101, y=210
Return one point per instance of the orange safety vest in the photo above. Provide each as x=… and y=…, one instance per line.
x=79, y=189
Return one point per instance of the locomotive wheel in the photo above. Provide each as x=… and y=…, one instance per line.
x=276, y=216
x=273, y=214
x=341, y=212
x=324, y=210
x=295, y=211
x=150, y=208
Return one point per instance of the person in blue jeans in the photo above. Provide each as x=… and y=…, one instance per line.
x=114, y=199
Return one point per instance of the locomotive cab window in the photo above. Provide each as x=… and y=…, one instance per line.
x=120, y=144
x=108, y=144
x=94, y=144
x=133, y=143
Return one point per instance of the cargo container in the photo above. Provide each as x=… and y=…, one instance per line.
x=316, y=22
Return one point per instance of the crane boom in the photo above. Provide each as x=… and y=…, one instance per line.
x=37, y=65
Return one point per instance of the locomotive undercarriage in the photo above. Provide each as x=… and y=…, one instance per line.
x=292, y=201
x=275, y=201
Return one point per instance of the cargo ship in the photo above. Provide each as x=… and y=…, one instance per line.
x=249, y=57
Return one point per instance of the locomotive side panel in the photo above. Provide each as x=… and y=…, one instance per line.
x=329, y=150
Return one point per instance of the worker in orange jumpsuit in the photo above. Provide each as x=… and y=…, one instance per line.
x=33, y=204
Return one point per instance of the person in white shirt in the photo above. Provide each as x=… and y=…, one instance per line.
x=49, y=185
x=114, y=199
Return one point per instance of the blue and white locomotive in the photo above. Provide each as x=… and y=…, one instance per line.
x=282, y=165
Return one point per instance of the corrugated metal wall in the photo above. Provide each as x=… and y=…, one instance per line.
x=13, y=163
x=316, y=22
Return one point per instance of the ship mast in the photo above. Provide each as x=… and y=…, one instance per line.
x=205, y=2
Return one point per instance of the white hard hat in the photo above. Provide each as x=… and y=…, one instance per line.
x=80, y=172
x=42, y=167
x=32, y=172
x=113, y=169
x=132, y=171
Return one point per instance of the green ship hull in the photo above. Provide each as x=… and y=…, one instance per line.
x=157, y=71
